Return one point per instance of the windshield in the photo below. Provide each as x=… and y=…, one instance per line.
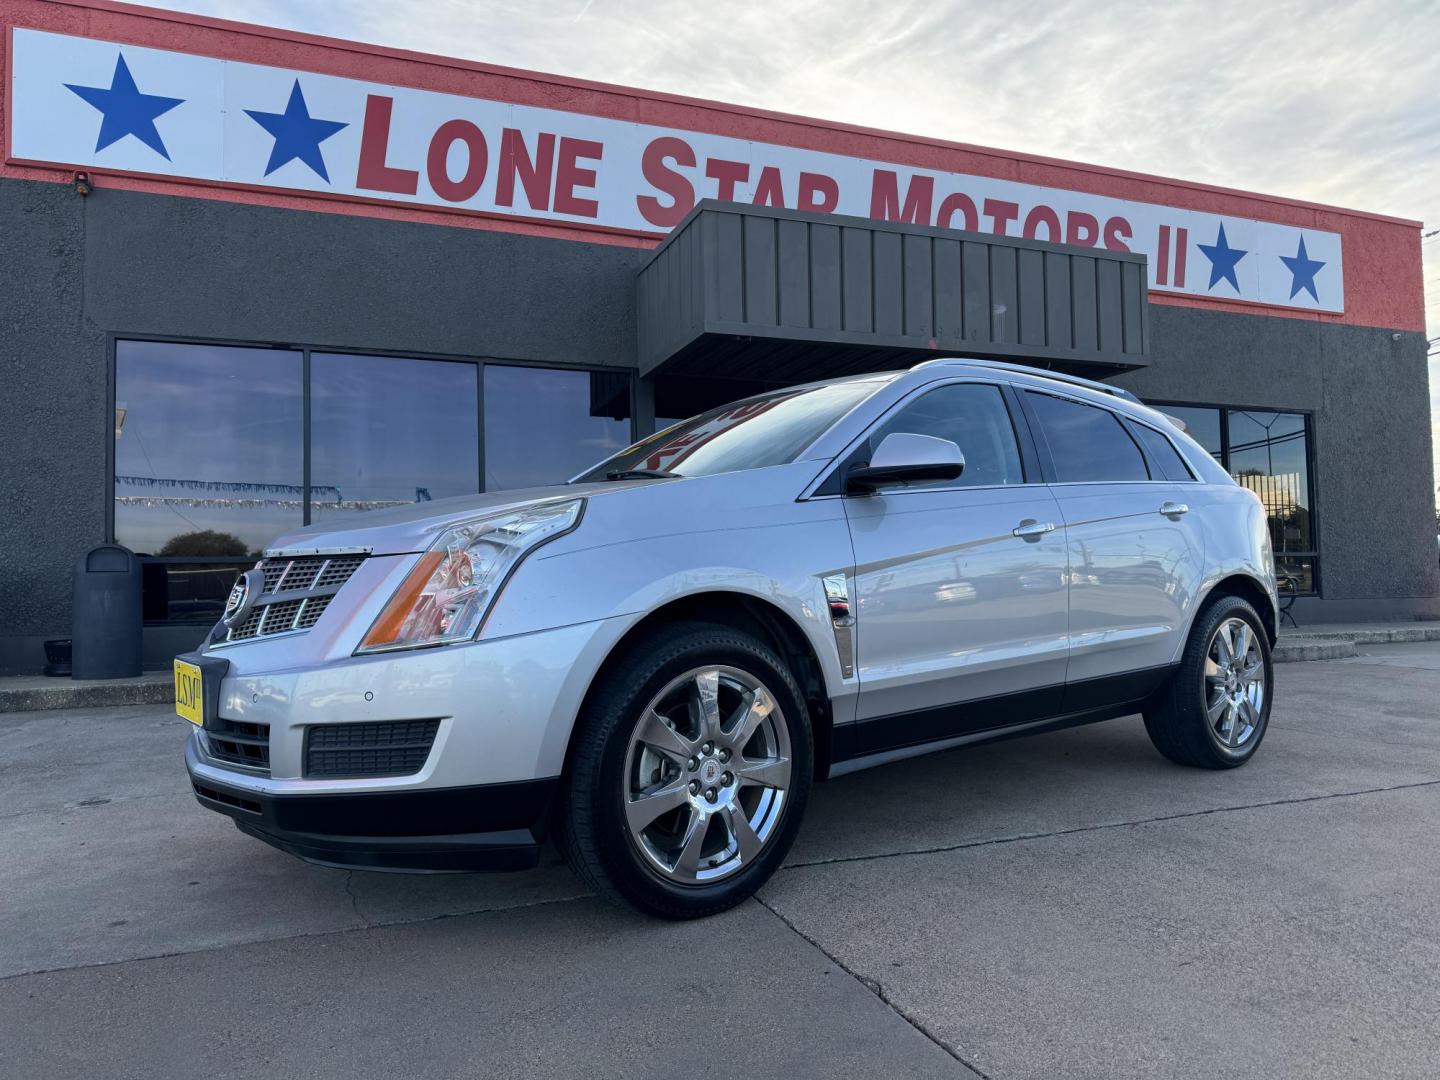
x=751, y=434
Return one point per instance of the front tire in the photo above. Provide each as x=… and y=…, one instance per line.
x=691, y=768
x=1216, y=708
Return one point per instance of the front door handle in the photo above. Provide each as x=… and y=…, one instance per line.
x=1030, y=529
x=1174, y=510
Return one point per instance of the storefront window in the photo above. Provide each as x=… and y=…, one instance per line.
x=1267, y=452
x=1268, y=455
x=542, y=426
x=385, y=432
x=208, y=448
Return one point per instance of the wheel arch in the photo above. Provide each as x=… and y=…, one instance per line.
x=754, y=615
x=1253, y=592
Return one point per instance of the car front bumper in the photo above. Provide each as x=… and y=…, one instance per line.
x=502, y=712
x=428, y=830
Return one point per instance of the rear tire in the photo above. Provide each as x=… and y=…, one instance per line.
x=1216, y=707
x=689, y=774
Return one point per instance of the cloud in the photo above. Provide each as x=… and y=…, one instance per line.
x=1333, y=102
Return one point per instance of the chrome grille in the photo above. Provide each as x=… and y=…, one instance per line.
x=337, y=571
x=280, y=616
x=297, y=591
x=310, y=613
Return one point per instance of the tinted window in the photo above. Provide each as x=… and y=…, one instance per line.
x=208, y=448
x=385, y=431
x=542, y=426
x=1086, y=443
x=1163, y=455
x=975, y=419
x=751, y=434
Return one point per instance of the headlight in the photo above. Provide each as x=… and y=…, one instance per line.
x=447, y=595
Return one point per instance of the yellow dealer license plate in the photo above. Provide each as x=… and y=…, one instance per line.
x=189, y=693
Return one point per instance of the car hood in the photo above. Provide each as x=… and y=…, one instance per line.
x=413, y=527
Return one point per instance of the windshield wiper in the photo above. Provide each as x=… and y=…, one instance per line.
x=642, y=474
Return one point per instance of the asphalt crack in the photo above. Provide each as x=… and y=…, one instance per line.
x=1104, y=825
x=878, y=990
x=355, y=900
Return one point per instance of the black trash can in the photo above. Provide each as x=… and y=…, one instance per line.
x=106, y=634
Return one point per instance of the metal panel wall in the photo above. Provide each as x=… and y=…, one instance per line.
x=730, y=274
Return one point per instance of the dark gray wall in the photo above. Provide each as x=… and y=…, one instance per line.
x=1369, y=392
x=73, y=271
x=52, y=417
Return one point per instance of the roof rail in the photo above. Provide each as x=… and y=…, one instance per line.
x=1025, y=369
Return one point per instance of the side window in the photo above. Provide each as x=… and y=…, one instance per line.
x=1087, y=443
x=972, y=416
x=1166, y=458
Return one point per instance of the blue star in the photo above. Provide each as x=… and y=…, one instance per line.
x=297, y=134
x=126, y=110
x=1222, y=260
x=1302, y=272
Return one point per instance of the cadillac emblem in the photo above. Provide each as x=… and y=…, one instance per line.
x=243, y=596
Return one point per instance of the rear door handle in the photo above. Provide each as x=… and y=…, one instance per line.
x=1030, y=529
x=1174, y=509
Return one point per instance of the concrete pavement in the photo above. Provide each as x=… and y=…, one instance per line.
x=1068, y=905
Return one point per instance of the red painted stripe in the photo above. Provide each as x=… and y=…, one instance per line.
x=1162, y=257
x=1182, y=248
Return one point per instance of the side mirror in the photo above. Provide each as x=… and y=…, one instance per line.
x=903, y=457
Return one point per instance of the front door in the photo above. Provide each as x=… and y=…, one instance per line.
x=961, y=619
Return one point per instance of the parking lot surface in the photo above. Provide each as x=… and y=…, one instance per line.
x=1068, y=905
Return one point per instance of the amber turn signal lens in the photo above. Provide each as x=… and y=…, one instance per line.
x=387, y=627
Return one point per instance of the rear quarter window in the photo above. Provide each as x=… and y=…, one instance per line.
x=1163, y=455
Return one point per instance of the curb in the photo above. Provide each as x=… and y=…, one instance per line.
x=1338, y=644
x=1292, y=651
x=152, y=688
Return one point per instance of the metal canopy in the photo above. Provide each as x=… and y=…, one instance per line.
x=755, y=293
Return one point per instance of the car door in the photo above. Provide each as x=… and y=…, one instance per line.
x=960, y=585
x=1134, y=561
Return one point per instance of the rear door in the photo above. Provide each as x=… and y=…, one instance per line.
x=1134, y=562
x=961, y=615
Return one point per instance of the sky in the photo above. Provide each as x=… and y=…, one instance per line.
x=1334, y=102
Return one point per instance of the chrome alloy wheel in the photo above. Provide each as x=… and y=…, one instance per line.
x=706, y=775
x=1234, y=683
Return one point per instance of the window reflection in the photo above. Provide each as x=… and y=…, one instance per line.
x=1268, y=456
x=542, y=426
x=188, y=591
x=1087, y=444
x=208, y=448
x=386, y=431
x=975, y=419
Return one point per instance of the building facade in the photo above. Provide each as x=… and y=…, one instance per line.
x=251, y=279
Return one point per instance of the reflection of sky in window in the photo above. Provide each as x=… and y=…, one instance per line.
x=1267, y=455
x=1273, y=443
x=382, y=429
x=538, y=427
x=206, y=415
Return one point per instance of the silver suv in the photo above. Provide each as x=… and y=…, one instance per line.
x=658, y=659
